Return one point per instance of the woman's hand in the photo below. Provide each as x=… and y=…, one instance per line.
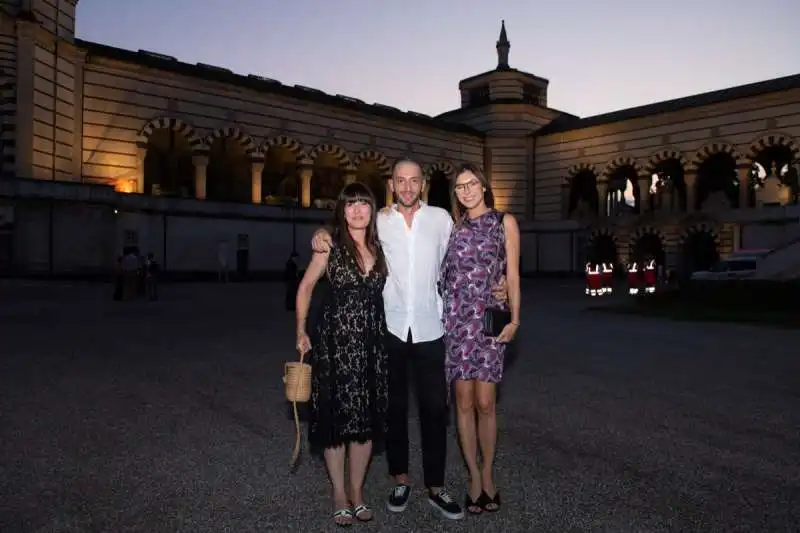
x=303, y=343
x=508, y=333
x=500, y=291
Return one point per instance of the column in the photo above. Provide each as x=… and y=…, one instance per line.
x=565, y=187
x=644, y=194
x=305, y=185
x=349, y=177
x=256, y=169
x=602, y=198
x=666, y=194
x=425, y=191
x=690, y=179
x=388, y=190
x=200, y=167
x=744, y=187
x=141, y=153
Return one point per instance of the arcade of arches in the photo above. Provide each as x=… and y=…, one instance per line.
x=670, y=185
x=226, y=173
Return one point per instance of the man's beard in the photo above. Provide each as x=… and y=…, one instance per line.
x=413, y=202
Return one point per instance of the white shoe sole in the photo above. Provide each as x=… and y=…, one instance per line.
x=449, y=516
x=396, y=508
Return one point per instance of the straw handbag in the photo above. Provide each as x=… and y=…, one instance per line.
x=297, y=380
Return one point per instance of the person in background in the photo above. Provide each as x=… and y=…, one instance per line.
x=349, y=362
x=130, y=273
x=119, y=280
x=291, y=279
x=152, y=270
x=633, y=278
x=222, y=261
x=483, y=247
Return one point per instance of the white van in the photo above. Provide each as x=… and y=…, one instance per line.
x=741, y=264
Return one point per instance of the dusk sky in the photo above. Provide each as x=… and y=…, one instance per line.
x=598, y=56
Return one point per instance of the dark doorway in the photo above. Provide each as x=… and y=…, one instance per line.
x=717, y=174
x=242, y=256
x=699, y=252
x=583, y=189
x=649, y=245
x=439, y=192
x=672, y=187
x=602, y=249
x=6, y=244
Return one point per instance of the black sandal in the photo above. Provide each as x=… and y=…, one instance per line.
x=486, y=502
x=473, y=506
x=362, y=510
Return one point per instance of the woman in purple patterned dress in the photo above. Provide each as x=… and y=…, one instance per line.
x=483, y=247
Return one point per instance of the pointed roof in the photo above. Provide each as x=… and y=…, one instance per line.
x=503, y=39
x=503, y=47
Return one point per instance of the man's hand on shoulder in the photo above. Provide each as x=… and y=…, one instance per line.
x=321, y=242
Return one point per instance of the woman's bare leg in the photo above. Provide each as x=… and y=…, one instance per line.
x=485, y=398
x=360, y=455
x=334, y=461
x=467, y=436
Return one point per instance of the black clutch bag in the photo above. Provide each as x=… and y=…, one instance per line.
x=495, y=320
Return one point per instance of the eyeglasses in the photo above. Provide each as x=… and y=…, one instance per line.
x=468, y=186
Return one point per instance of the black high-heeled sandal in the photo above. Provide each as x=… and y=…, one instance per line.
x=490, y=505
x=473, y=506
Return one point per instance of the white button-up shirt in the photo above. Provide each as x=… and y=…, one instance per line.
x=413, y=256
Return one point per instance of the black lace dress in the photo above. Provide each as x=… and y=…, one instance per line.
x=349, y=385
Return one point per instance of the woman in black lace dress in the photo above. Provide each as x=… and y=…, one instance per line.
x=349, y=376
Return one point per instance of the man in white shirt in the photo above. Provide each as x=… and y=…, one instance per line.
x=414, y=239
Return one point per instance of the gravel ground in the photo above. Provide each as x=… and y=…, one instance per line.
x=169, y=416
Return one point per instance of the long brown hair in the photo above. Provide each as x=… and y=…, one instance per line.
x=458, y=210
x=358, y=192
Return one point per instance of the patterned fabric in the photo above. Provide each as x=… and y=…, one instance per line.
x=349, y=364
x=474, y=263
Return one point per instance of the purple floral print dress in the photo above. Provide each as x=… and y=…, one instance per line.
x=474, y=263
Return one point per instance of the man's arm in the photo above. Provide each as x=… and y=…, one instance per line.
x=447, y=230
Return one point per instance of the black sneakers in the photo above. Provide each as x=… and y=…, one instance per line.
x=442, y=502
x=398, y=498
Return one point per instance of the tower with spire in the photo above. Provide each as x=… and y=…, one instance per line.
x=509, y=105
x=503, y=83
x=503, y=47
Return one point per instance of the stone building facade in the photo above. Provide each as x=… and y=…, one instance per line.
x=103, y=147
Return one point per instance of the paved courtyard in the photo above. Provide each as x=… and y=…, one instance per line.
x=169, y=416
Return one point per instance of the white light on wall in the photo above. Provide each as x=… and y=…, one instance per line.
x=630, y=198
x=654, y=183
